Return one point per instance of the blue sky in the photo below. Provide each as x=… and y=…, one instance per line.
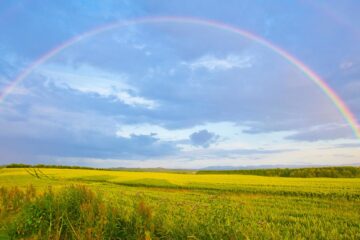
x=178, y=94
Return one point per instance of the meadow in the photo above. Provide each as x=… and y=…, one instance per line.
x=46, y=203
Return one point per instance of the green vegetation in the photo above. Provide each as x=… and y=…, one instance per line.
x=328, y=172
x=88, y=204
x=37, y=166
x=21, y=165
x=75, y=212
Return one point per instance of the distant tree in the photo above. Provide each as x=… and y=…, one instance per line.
x=330, y=172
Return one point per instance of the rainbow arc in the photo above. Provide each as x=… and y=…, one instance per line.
x=319, y=82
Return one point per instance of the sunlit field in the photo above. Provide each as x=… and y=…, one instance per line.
x=181, y=119
x=99, y=204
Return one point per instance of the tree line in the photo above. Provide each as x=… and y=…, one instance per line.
x=330, y=172
x=21, y=165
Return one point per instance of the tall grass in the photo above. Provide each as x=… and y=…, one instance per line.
x=13, y=199
x=75, y=212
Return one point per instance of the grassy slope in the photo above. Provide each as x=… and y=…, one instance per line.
x=209, y=205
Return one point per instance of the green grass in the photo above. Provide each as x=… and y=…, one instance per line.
x=95, y=204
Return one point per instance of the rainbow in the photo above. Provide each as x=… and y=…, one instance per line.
x=326, y=89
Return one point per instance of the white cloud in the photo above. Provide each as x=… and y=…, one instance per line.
x=213, y=63
x=128, y=99
x=139, y=46
x=92, y=80
x=346, y=65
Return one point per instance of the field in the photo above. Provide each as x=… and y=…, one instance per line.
x=99, y=204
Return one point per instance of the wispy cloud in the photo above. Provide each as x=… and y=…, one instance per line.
x=323, y=132
x=132, y=100
x=88, y=79
x=213, y=63
x=348, y=145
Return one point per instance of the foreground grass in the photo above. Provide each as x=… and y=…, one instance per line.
x=130, y=205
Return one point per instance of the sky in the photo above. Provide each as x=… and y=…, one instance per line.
x=157, y=83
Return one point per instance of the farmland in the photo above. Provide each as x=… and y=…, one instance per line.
x=168, y=205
